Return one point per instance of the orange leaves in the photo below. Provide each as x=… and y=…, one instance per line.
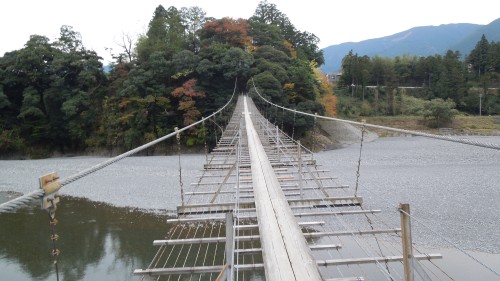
x=328, y=98
x=187, y=95
x=187, y=89
x=330, y=103
x=228, y=30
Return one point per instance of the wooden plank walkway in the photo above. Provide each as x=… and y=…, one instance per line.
x=289, y=219
x=284, y=248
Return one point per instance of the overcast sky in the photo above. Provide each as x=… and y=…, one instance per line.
x=102, y=23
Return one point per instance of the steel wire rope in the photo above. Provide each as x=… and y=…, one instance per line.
x=180, y=251
x=359, y=160
x=206, y=251
x=205, y=227
x=417, y=249
x=216, y=248
x=181, y=184
x=161, y=251
x=392, y=242
x=331, y=239
x=383, y=270
x=428, y=269
x=188, y=250
x=360, y=246
x=403, y=131
x=450, y=242
x=445, y=239
x=282, y=118
x=367, y=251
x=378, y=244
x=293, y=127
x=329, y=252
x=39, y=193
x=342, y=221
x=236, y=233
x=172, y=248
x=447, y=138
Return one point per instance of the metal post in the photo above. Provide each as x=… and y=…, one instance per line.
x=300, y=169
x=406, y=238
x=229, y=246
x=278, y=143
x=480, y=103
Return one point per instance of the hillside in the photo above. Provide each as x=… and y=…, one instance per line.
x=419, y=41
x=491, y=31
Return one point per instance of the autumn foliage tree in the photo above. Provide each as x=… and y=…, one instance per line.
x=185, y=65
x=227, y=30
x=187, y=96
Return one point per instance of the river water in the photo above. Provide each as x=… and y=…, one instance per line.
x=108, y=220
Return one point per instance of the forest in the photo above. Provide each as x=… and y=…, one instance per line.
x=411, y=85
x=57, y=96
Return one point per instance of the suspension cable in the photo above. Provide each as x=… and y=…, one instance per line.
x=403, y=131
x=181, y=184
x=450, y=242
x=27, y=198
x=359, y=160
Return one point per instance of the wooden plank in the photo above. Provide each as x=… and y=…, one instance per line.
x=249, y=251
x=179, y=270
x=312, y=247
x=374, y=260
x=211, y=208
x=302, y=224
x=338, y=213
x=325, y=202
x=325, y=247
x=292, y=187
x=203, y=240
x=286, y=255
x=347, y=279
x=351, y=232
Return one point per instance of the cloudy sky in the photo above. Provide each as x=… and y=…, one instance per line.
x=102, y=23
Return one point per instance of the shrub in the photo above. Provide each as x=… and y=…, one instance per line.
x=439, y=112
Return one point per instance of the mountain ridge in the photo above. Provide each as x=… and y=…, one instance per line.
x=417, y=41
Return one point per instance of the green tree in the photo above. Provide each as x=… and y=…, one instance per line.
x=269, y=87
x=166, y=33
x=236, y=63
x=478, y=57
x=439, y=112
x=194, y=19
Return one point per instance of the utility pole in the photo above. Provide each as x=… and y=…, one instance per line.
x=480, y=103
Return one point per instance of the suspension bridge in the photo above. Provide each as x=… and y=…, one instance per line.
x=264, y=209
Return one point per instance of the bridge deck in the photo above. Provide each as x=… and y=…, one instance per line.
x=291, y=219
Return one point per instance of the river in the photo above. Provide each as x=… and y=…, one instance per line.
x=108, y=220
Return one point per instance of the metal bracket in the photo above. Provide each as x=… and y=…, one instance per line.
x=50, y=184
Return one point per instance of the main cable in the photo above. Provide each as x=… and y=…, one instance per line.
x=373, y=126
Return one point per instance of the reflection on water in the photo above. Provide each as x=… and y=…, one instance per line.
x=98, y=242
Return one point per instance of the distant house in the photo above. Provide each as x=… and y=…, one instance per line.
x=334, y=77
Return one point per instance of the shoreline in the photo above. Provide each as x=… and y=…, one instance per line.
x=328, y=135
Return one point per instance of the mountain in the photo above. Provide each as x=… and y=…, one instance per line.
x=491, y=31
x=418, y=41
